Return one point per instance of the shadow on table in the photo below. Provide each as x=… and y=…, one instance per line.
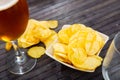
x=67, y=73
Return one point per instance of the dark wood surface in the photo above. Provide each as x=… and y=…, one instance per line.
x=101, y=15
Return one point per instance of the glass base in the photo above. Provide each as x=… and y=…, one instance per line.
x=105, y=73
x=20, y=64
x=111, y=72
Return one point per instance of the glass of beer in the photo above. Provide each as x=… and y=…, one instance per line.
x=14, y=17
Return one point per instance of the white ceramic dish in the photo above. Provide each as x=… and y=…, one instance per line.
x=49, y=52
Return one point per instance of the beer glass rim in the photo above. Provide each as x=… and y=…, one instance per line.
x=114, y=40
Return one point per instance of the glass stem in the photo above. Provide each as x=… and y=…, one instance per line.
x=18, y=53
x=16, y=48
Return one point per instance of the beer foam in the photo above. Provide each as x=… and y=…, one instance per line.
x=5, y=4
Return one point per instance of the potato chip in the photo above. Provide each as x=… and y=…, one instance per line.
x=62, y=57
x=60, y=52
x=36, y=51
x=8, y=46
x=59, y=47
x=49, y=24
x=24, y=44
x=78, y=39
x=78, y=56
x=76, y=27
x=91, y=63
x=42, y=33
x=59, y=57
x=93, y=43
x=46, y=24
x=90, y=38
x=43, y=24
x=95, y=47
x=51, y=39
x=53, y=23
x=28, y=39
x=99, y=39
x=41, y=30
x=64, y=35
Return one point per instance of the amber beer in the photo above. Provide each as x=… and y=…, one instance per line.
x=13, y=19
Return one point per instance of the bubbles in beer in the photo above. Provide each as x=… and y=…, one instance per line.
x=5, y=4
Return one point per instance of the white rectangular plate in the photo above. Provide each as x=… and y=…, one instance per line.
x=49, y=52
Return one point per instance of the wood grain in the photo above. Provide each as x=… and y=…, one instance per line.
x=102, y=15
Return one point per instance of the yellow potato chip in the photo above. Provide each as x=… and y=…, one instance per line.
x=43, y=24
x=8, y=46
x=99, y=39
x=42, y=34
x=94, y=48
x=76, y=27
x=76, y=44
x=90, y=38
x=51, y=39
x=93, y=43
x=64, y=35
x=60, y=52
x=40, y=30
x=36, y=52
x=24, y=44
x=91, y=63
x=62, y=57
x=49, y=23
x=53, y=23
x=78, y=56
x=59, y=47
x=27, y=38
x=59, y=57
x=78, y=39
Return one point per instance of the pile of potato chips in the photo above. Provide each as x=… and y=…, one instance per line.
x=79, y=46
x=36, y=32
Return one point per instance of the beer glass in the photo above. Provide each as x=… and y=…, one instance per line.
x=14, y=17
x=111, y=63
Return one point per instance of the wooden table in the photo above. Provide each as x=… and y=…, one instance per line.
x=101, y=15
